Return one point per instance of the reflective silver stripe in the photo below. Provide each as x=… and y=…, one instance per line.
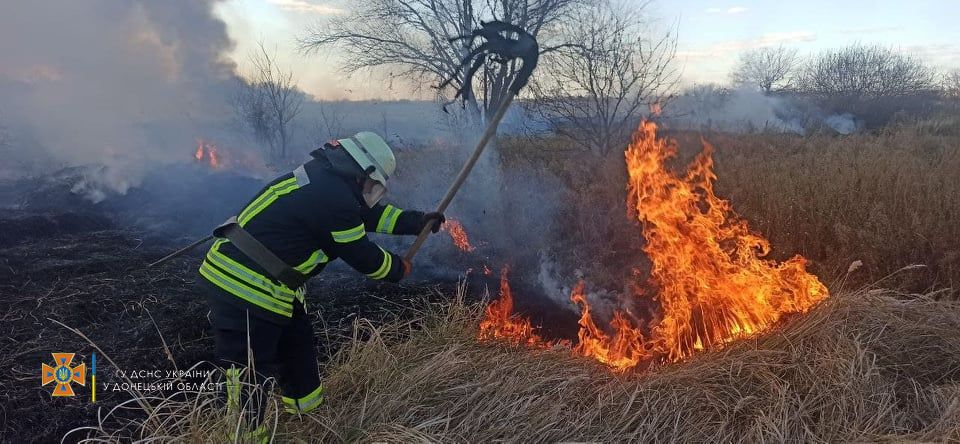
x=385, y=267
x=304, y=404
x=370, y=157
x=388, y=219
x=222, y=261
x=266, y=198
x=301, y=174
x=318, y=257
x=238, y=289
x=350, y=235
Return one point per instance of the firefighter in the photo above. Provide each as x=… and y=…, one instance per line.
x=294, y=227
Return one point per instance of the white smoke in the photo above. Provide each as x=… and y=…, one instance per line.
x=844, y=123
x=122, y=85
x=714, y=108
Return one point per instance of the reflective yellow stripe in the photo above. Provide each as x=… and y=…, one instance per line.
x=318, y=257
x=347, y=236
x=237, y=288
x=304, y=404
x=251, y=277
x=266, y=198
x=232, y=377
x=388, y=219
x=385, y=267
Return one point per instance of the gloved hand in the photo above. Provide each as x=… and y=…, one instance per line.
x=433, y=215
x=407, y=268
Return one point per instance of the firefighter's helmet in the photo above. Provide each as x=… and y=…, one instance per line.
x=372, y=153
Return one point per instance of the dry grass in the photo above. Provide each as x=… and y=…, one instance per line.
x=889, y=199
x=863, y=366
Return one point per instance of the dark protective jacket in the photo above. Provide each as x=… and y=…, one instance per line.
x=307, y=218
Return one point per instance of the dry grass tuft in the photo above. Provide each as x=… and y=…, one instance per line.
x=862, y=366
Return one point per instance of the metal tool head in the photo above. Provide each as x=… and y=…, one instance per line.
x=501, y=42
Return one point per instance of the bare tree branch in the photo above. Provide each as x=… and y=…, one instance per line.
x=416, y=36
x=951, y=84
x=861, y=71
x=767, y=68
x=267, y=102
x=596, y=90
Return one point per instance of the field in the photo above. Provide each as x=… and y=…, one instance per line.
x=878, y=360
x=889, y=199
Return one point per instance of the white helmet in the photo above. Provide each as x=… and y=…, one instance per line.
x=375, y=158
x=370, y=150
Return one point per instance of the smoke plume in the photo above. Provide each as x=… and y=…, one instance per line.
x=120, y=84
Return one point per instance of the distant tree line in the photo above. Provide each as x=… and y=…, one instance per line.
x=873, y=82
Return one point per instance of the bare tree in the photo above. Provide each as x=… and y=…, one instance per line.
x=951, y=83
x=415, y=35
x=596, y=90
x=267, y=102
x=865, y=71
x=766, y=68
x=330, y=125
x=874, y=83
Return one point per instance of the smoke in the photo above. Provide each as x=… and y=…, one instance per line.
x=123, y=85
x=712, y=108
x=120, y=91
x=842, y=123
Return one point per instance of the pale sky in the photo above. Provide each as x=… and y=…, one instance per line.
x=710, y=35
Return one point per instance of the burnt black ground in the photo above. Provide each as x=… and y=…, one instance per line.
x=80, y=269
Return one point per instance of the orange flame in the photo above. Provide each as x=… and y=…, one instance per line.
x=656, y=108
x=621, y=351
x=458, y=235
x=213, y=157
x=714, y=285
x=208, y=151
x=501, y=323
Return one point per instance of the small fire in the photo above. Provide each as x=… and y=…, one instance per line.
x=458, y=235
x=208, y=151
x=713, y=284
x=621, y=351
x=501, y=323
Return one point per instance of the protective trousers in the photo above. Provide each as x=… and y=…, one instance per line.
x=285, y=351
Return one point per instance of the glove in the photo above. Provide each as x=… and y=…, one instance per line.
x=433, y=215
x=407, y=268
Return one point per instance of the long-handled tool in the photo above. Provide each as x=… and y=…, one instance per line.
x=180, y=251
x=502, y=47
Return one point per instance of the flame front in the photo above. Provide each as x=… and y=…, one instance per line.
x=621, y=351
x=208, y=151
x=713, y=284
x=501, y=323
x=458, y=235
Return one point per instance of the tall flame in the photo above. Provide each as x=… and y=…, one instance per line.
x=712, y=280
x=714, y=283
